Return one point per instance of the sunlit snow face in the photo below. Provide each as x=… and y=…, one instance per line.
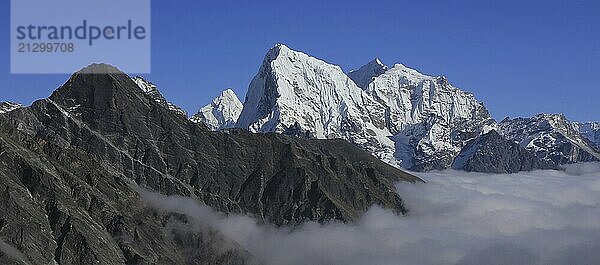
x=543, y=217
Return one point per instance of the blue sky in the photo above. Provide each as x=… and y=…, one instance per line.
x=519, y=57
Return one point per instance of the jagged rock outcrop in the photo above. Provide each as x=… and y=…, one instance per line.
x=551, y=137
x=222, y=113
x=71, y=167
x=492, y=153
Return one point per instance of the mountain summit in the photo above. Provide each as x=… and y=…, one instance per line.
x=431, y=120
x=222, y=113
x=364, y=75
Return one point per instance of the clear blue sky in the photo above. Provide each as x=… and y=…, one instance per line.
x=519, y=57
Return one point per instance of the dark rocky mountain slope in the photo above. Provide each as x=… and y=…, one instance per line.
x=72, y=166
x=493, y=153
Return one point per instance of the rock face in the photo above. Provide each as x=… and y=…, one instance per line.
x=9, y=106
x=222, y=113
x=72, y=165
x=590, y=130
x=364, y=76
x=493, y=153
x=551, y=137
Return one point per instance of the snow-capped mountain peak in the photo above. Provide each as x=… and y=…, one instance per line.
x=410, y=75
x=413, y=97
x=222, y=113
x=228, y=94
x=364, y=75
x=297, y=94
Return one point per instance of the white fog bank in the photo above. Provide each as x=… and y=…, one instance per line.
x=541, y=217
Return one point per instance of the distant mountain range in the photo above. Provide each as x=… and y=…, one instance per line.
x=308, y=144
x=403, y=117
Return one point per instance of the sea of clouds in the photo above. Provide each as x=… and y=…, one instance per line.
x=540, y=217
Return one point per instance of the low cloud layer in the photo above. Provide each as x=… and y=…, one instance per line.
x=542, y=217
